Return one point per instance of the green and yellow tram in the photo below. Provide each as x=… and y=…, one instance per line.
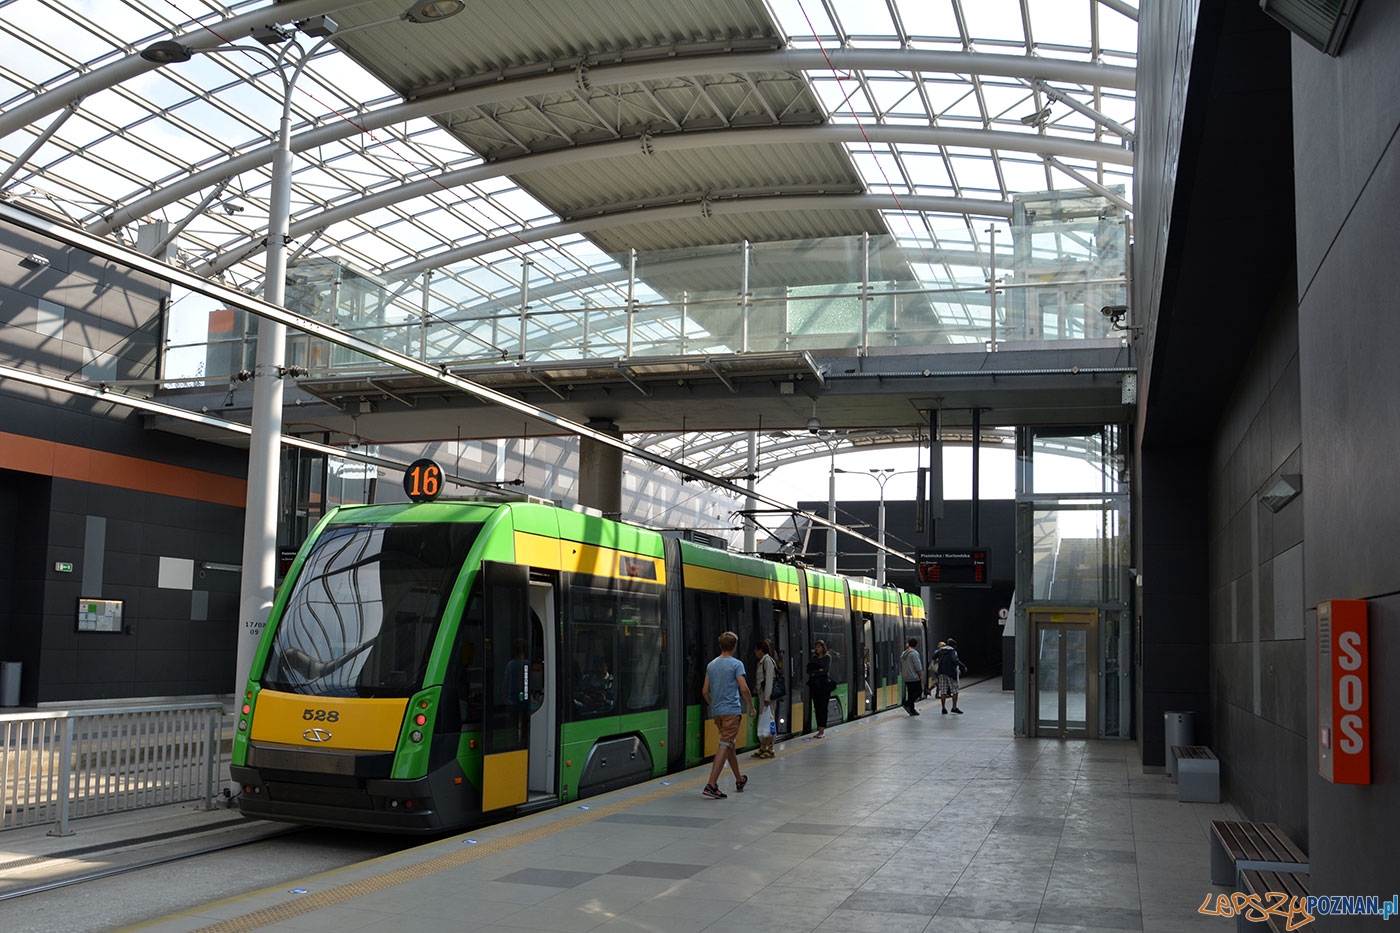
x=435, y=665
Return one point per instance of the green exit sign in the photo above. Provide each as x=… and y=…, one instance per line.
x=63, y=567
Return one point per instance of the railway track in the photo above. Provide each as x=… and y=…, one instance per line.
x=140, y=870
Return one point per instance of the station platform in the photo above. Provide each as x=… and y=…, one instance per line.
x=895, y=824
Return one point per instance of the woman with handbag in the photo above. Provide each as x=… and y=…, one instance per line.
x=819, y=684
x=763, y=698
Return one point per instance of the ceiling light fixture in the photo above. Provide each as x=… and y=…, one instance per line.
x=1288, y=487
x=166, y=52
x=430, y=11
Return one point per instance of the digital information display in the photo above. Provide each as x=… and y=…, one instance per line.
x=953, y=567
x=99, y=615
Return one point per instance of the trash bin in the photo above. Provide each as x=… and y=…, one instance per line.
x=1180, y=730
x=9, y=683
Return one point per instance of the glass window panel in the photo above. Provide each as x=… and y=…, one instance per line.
x=523, y=205
x=448, y=225
x=412, y=237
x=1008, y=103
x=963, y=106
x=897, y=94
x=841, y=98
x=944, y=94
x=994, y=19
x=77, y=131
x=861, y=18
x=974, y=171
x=1022, y=175
x=1061, y=23
x=1047, y=666
x=930, y=20
x=349, y=80
x=801, y=20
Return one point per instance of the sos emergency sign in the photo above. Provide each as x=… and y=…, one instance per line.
x=1343, y=692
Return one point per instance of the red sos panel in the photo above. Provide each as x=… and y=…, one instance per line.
x=1343, y=692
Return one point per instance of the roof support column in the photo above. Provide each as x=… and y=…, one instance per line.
x=600, y=470
x=631, y=299
x=750, y=503
x=865, y=294
x=744, y=299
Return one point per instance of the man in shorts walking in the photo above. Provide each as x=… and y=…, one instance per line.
x=727, y=693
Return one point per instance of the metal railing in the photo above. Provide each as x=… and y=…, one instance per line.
x=62, y=765
x=854, y=294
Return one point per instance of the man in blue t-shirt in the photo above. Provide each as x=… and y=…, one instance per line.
x=727, y=693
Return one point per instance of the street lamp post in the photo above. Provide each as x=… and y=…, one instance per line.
x=259, y=575
x=881, y=475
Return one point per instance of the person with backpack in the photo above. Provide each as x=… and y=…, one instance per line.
x=949, y=667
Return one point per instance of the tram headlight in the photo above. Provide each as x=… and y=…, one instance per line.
x=416, y=736
x=242, y=725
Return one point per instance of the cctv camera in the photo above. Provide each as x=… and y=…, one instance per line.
x=814, y=425
x=1113, y=312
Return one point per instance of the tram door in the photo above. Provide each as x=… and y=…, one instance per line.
x=1064, y=681
x=509, y=653
x=867, y=685
x=543, y=684
x=782, y=710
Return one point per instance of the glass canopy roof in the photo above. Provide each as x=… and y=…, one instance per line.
x=189, y=143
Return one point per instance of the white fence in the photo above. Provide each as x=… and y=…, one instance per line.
x=62, y=765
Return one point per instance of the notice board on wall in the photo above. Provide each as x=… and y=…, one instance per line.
x=100, y=615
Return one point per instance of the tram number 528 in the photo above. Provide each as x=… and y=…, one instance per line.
x=422, y=481
x=321, y=715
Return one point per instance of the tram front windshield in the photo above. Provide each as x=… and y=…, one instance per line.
x=365, y=612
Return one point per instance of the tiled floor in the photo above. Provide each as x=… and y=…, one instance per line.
x=898, y=825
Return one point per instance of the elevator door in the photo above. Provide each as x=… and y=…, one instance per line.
x=1064, y=674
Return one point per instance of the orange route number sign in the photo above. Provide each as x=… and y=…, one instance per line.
x=422, y=481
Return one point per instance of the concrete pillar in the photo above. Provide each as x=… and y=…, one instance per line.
x=600, y=471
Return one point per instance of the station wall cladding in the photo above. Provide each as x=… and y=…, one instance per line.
x=1346, y=119
x=94, y=505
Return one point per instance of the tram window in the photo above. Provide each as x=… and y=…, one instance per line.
x=592, y=604
x=464, y=685
x=827, y=626
x=642, y=653
x=592, y=686
x=363, y=615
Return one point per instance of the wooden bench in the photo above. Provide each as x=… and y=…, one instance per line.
x=1261, y=884
x=1237, y=846
x=1197, y=774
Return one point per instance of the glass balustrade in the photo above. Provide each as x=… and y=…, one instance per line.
x=1062, y=264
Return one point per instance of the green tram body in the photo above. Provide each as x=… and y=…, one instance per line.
x=438, y=665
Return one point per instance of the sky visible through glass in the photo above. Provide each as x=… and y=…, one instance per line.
x=122, y=143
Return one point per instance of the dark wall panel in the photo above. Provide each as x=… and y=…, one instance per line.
x=1174, y=626
x=1347, y=157
x=1257, y=670
x=188, y=655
